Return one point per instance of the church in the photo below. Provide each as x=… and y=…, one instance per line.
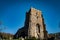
x=34, y=25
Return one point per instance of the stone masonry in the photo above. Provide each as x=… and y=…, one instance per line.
x=34, y=25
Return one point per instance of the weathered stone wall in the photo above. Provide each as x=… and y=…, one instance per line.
x=36, y=18
x=34, y=25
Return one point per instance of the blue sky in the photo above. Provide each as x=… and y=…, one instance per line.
x=13, y=13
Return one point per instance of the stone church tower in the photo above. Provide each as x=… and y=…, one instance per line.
x=34, y=25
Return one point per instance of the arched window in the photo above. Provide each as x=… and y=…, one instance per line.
x=38, y=28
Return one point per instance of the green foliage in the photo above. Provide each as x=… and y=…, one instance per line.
x=33, y=38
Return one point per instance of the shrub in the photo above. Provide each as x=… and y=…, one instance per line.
x=33, y=38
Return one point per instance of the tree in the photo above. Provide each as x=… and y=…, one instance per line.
x=2, y=27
